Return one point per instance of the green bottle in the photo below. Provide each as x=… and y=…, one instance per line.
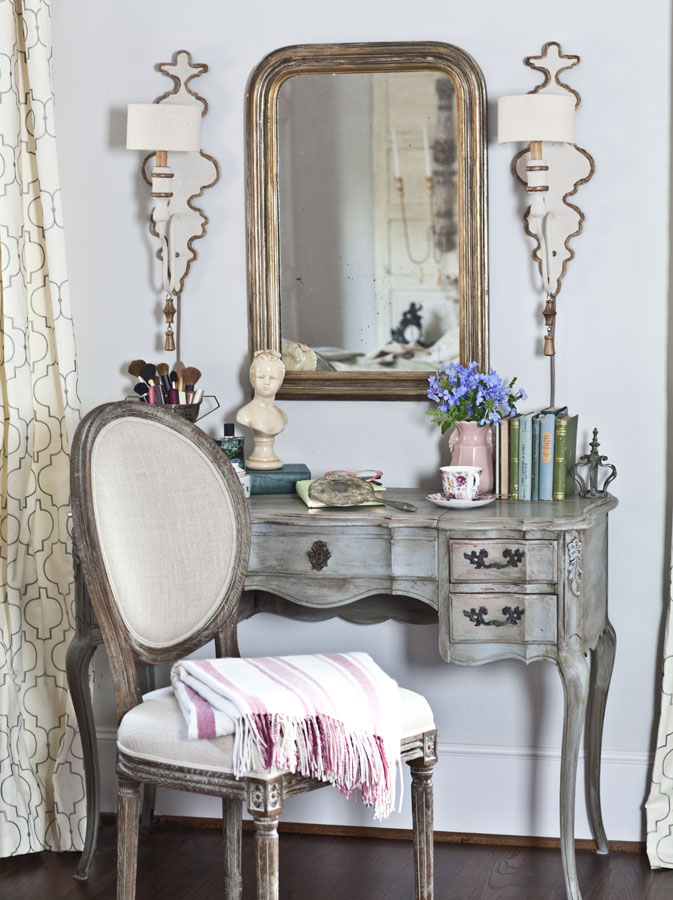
x=233, y=446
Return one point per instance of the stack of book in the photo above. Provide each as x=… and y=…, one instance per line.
x=534, y=454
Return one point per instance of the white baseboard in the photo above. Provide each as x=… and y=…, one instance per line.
x=478, y=789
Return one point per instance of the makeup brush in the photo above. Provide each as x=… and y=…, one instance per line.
x=180, y=368
x=162, y=372
x=173, y=397
x=135, y=366
x=190, y=376
x=148, y=374
x=141, y=390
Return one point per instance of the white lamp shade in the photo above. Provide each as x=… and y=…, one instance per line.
x=163, y=126
x=536, y=117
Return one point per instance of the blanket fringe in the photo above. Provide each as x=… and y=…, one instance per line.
x=320, y=747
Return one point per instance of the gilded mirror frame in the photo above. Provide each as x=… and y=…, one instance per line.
x=262, y=206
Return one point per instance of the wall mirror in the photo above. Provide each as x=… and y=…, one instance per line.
x=366, y=216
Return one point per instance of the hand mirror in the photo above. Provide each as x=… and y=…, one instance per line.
x=345, y=490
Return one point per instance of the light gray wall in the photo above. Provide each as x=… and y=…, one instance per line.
x=500, y=725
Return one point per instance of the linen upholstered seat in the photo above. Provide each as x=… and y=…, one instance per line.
x=163, y=535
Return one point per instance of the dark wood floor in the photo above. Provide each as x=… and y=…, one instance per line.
x=185, y=863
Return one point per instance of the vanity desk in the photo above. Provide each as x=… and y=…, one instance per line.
x=521, y=580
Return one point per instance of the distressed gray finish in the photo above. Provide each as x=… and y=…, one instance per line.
x=387, y=564
x=264, y=797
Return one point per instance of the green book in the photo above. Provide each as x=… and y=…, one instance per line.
x=525, y=455
x=565, y=441
x=514, y=458
x=278, y=481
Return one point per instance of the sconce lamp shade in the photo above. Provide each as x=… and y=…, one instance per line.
x=163, y=126
x=536, y=117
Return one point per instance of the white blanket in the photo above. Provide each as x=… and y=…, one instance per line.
x=332, y=716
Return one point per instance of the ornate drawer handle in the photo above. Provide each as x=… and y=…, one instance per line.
x=477, y=557
x=512, y=616
x=319, y=555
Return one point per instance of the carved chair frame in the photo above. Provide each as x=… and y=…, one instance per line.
x=264, y=797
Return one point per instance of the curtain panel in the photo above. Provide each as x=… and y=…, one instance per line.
x=659, y=806
x=42, y=799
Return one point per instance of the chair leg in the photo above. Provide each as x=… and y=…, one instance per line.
x=128, y=811
x=231, y=823
x=422, y=813
x=266, y=854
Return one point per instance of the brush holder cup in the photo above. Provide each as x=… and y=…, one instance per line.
x=191, y=411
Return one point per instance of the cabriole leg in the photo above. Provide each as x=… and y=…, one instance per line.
x=574, y=669
x=602, y=663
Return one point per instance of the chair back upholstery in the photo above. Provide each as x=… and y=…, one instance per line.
x=162, y=530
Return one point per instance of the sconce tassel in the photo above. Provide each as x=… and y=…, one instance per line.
x=549, y=313
x=169, y=313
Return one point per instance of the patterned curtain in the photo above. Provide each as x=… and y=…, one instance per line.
x=659, y=806
x=42, y=802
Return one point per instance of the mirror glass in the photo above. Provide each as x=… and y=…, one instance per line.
x=367, y=196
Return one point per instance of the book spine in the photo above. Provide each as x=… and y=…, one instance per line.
x=535, y=461
x=525, y=457
x=504, y=458
x=571, y=455
x=560, y=445
x=497, y=461
x=547, y=422
x=514, y=459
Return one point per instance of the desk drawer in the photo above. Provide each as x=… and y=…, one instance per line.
x=322, y=553
x=502, y=562
x=503, y=618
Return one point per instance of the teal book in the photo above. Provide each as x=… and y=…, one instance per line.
x=278, y=481
x=525, y=456
x=565, y=445
x=535, y=460
x=547, y=432
x=514, y=458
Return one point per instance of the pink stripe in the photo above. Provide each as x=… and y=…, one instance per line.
x=255, y=703
x=205, y=718
x=306, y=683
x=267, y=665
x=346, y=662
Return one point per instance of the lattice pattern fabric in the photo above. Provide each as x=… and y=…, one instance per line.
x=42, y=801
x=659, y=806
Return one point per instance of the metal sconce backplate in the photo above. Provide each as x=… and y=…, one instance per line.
x=192, y=173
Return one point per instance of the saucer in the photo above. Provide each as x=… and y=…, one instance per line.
x=479, y=500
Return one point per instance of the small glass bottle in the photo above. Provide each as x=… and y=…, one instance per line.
x=233, y=446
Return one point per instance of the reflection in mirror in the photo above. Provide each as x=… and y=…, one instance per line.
x=368, y=223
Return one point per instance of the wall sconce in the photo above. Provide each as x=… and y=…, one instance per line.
x=172, y=125
x=551, y=174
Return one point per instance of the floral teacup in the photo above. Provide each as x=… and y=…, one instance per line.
x=460, y=482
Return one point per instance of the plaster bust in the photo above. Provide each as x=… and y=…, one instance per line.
x=261, y=414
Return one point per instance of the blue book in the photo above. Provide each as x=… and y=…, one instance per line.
x=525, y=456
x=535, y=474
x=547, y=427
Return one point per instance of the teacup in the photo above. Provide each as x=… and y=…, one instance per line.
x=460, y=482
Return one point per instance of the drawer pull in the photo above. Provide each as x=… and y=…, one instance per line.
x=319, y=555
x=512, y=616
x=477, y=558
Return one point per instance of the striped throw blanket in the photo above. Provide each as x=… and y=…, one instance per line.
x=331, y=716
